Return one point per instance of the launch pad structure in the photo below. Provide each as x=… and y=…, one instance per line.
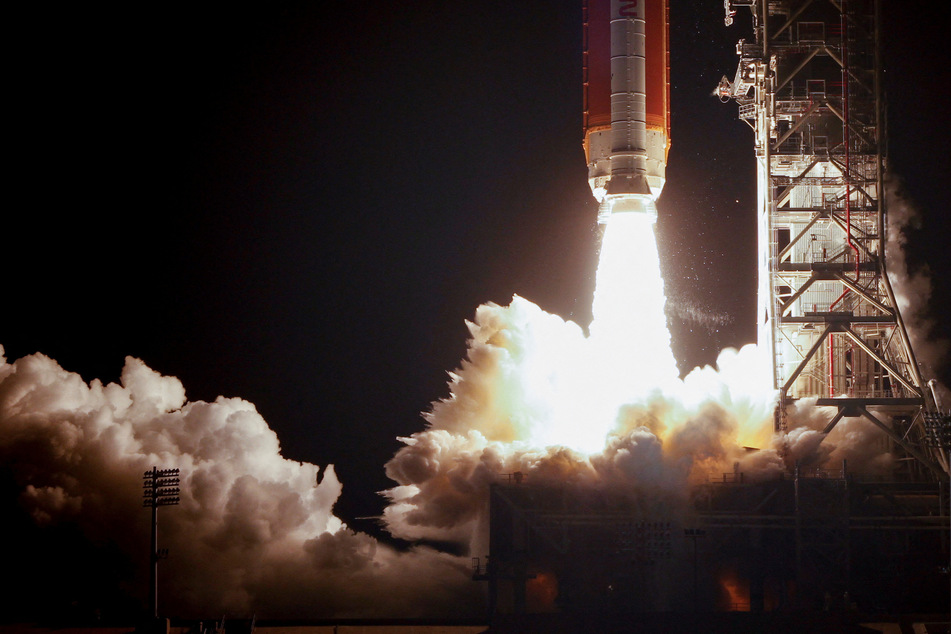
x=833, y=544
x=814, y=549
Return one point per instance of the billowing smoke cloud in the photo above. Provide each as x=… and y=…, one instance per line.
x=506, y=400
x=913, y=288
x=254, y=532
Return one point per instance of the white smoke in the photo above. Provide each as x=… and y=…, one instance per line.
x=254, y=532
x=658, y=440
x=913, y=288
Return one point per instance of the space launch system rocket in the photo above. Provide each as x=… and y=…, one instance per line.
x=626, y=103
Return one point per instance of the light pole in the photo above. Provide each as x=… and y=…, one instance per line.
x=694, y=533
x=161, y=489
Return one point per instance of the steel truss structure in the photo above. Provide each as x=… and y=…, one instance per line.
x=810, y=88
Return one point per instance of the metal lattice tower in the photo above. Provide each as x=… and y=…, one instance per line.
x=810, y=87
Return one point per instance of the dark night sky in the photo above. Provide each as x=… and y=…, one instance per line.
x=301, y=206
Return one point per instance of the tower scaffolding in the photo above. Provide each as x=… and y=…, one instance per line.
x=809, y=86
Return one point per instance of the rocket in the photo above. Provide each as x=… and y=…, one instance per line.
x=626, y=75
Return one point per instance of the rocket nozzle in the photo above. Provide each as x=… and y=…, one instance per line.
x=626, y=204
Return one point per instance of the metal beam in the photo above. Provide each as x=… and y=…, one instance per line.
x=786, y=250
x=858, y=290
x=812, y=351
x=885, y=364
x=911, y=449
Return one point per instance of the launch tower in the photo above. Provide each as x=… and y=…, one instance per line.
x=809, y=85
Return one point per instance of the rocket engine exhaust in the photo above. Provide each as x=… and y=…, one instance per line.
x=626, y=103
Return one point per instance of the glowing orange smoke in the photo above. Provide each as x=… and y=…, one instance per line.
x=736, y=592
x=541, y=592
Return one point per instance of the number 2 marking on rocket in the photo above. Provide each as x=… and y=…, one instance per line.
x=628, y=9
